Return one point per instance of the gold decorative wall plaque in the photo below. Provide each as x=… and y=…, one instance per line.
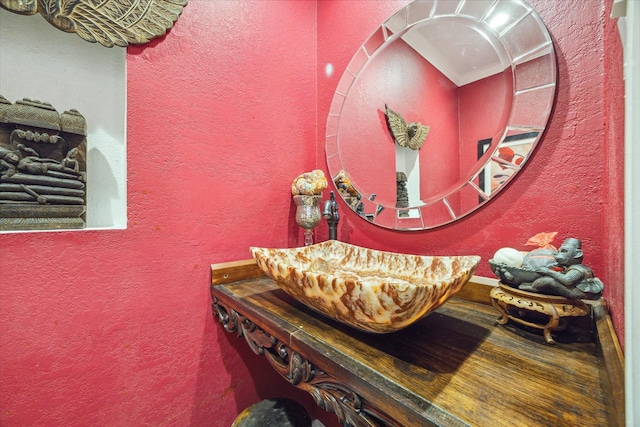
x=108, y=22
x=42, y=167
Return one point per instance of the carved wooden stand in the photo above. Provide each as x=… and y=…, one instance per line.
x=505, y=299
x=328, y=393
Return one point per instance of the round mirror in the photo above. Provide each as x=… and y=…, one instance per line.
x=439, y=109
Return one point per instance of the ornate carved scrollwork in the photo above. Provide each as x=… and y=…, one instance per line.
x=333, y=396
x=230, y=323
x=328, y=393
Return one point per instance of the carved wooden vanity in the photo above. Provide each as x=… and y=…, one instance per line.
x=456, y=367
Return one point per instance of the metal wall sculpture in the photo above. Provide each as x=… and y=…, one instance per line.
x=108, y=22
x=42, y=167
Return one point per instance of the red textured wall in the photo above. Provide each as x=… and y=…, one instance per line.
x=484, y=111
x=572, y=184
x=115, y=327
x=613, y=178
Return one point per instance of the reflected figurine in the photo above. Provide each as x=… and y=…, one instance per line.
x=574, y=280
x=410, y=135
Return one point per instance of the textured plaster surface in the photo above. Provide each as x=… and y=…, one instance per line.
x=614, y=122
x=114, y=328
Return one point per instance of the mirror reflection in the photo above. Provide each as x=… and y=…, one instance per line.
x=472, y=82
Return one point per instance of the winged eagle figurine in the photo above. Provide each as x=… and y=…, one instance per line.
x=410, y=135
x=108, y=22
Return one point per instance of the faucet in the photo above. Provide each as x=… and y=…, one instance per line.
x=330, y=213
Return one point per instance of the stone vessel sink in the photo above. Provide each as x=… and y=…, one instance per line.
x=373, y=291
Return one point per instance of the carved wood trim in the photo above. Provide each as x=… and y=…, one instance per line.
x=328, y=393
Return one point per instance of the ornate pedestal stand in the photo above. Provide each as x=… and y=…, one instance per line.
x=514, y=304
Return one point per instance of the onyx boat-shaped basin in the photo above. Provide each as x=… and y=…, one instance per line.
x=370, y=290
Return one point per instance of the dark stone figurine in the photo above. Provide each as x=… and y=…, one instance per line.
x=570, y=278
x=402, y=198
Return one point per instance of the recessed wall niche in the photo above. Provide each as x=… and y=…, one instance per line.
x=39, y=62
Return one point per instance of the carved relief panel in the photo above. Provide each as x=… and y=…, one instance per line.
x=42, y=167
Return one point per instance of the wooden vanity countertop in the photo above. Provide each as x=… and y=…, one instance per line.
x=455, y=367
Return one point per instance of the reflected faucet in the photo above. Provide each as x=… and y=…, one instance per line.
x=330, y=213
